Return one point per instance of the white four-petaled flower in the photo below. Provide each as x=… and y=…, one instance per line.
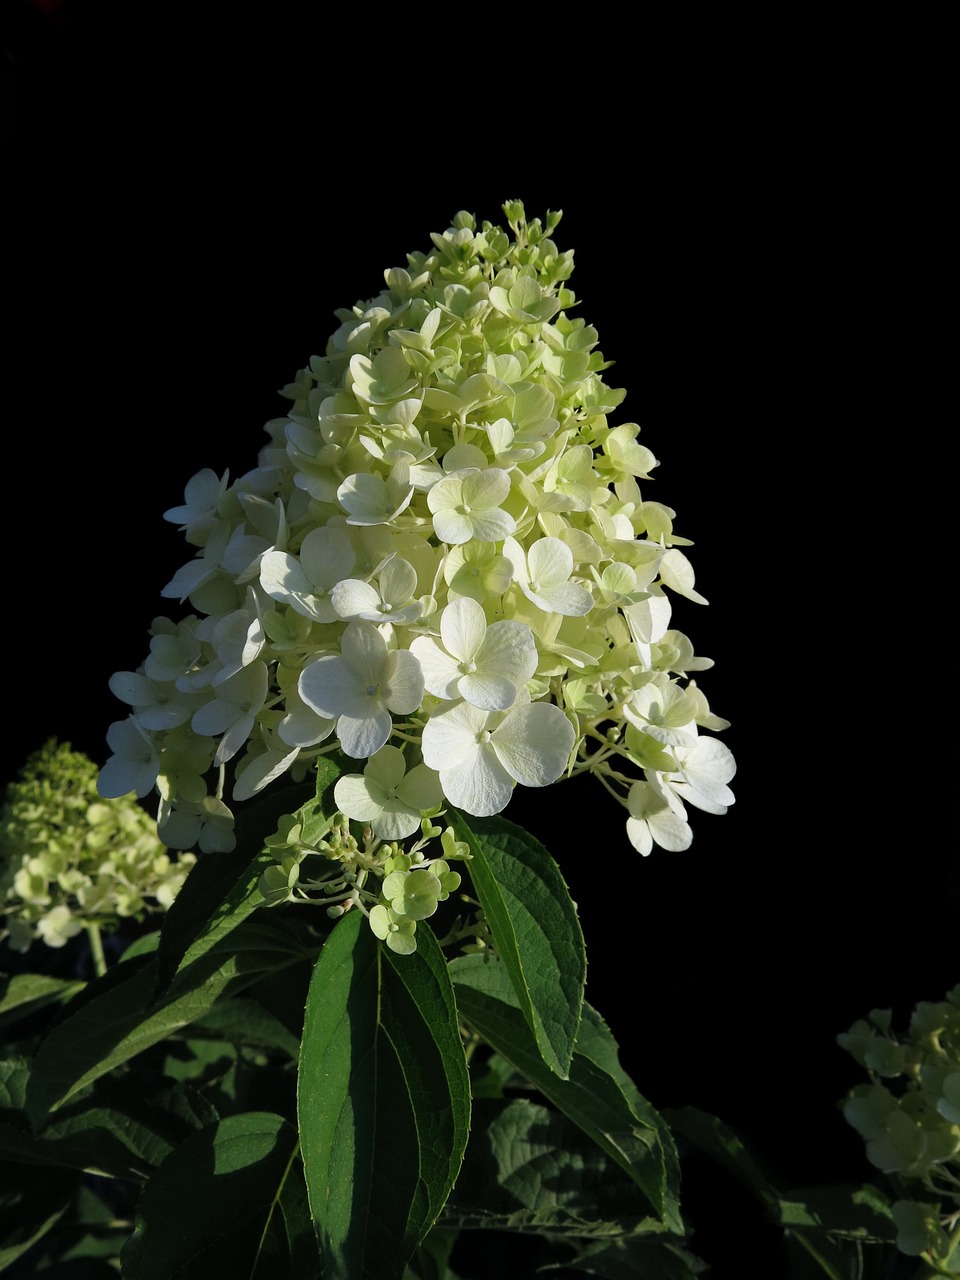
x=466, y=504
x=386, y=796
x=543, y=575
x=361, y=686
x=482, y=755
x=488, y=666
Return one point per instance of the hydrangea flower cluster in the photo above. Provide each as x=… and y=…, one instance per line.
x=444, y=550
x=912, y=1126
x=69, y=859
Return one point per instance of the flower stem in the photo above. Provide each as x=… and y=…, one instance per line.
x=96, y=950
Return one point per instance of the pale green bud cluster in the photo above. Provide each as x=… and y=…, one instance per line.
x=393, y=889
x=448, y=552
x=69, y=859
x=909, y=1116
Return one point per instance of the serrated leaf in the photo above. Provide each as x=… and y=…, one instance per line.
x=535, y=926
x=111, y=1028
x=235, y=1193
x=598, y=1095
x=383, y=1099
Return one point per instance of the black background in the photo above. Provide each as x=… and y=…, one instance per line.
x=190, y=203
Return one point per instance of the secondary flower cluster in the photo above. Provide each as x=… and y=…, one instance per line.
x=444, y=549
x=912, y=1125
x=70, y=859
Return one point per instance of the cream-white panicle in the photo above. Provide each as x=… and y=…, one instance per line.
x=446, y=550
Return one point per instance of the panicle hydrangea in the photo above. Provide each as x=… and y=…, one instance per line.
x=69, y=858
x=445, y=548
x=909, y=1117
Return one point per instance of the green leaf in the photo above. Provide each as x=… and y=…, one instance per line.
x=122, y=1129
x=25, y=993
x=531, y=1169
x=14, y=1074
x=722, y=1144
x=234, y=1194
x=830, y=1223
x=244, y=1021
x=633, y=1260
x=221, y=890
x=534, y=924
x=113, y=1027
x=31, y=1202
x=145, y=1115
x=849, y=1212
x=90, y=1230
x=431, y=1261
x=598, y=1095
x=383, y=1099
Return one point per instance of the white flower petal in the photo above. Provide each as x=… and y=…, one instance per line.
x=638, y=833
x=420, y=788
x=283, y=579
x=396, y=821
x=257, y=772
x=463, y=625
x=492, y=525
x=362, y=736
x=485, y=489
x=480, y=786
x=328, y=686
x=352, y=597
x=452, y=527
x=364, y=650
x=648, y=619
x=398, y=581
x=214, y=717
x=440, y=672
x=567, y=598
x=402, y=686
x=549, y=562
x=387, y=767
x=509, y=650
x=488, y=691
x=353, y=797
x=132, y=688
x=670, y=832
x=450, y=735
x=534, y=743
x=327, y=556
x=302, y=726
